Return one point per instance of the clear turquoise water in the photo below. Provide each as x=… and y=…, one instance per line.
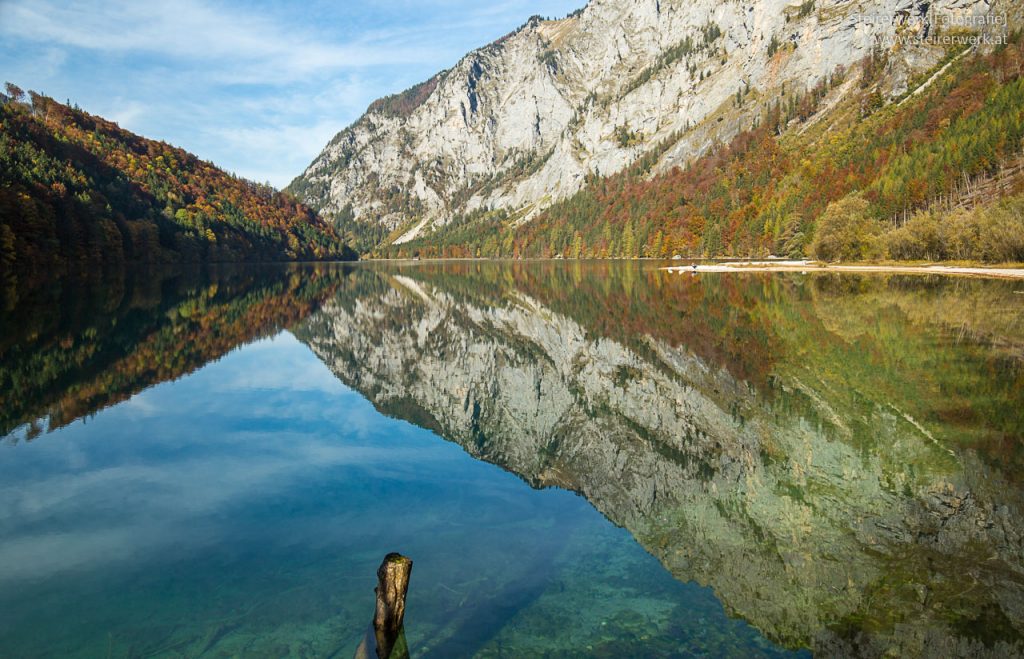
x=582, y=459
x=243, y=510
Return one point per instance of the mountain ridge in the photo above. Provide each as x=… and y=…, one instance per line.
x=835, y=173
x=524, y=122
x=77, y=189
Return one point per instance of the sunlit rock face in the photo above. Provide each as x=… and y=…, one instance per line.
x=830, y=510
x=520, y=123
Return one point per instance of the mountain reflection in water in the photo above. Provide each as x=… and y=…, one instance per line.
x=837, y=457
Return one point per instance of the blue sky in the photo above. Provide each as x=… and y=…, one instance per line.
x=256, y=87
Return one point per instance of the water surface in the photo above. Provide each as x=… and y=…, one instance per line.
x=582, y=460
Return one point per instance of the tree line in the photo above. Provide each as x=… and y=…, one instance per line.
x=77, y=189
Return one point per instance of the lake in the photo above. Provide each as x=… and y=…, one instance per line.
x=581, y=458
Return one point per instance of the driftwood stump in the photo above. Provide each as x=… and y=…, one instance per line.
x=392, y=586
x=387, y=635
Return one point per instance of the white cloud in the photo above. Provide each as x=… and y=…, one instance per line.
x=174, y=503
x=128, y=112
x=193, y=30
x=274, y=147
x=257, y=88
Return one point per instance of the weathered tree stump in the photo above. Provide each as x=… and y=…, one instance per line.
x=387, y=635
x=392, y=587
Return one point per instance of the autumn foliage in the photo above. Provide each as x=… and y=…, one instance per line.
x=84, y=344
x=765, y=191
x=75, y=188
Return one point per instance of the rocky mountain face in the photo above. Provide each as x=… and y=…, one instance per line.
x=828, y=519
x=524, y=121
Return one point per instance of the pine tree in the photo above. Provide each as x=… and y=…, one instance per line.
x=628, y=241
x=577, y=246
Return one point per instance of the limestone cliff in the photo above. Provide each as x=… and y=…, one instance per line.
x=523, y=121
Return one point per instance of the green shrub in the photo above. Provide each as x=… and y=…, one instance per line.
x=961, y=235
x=847, y=231
x=1001, y=231
x=993, y=233
x=921, y=238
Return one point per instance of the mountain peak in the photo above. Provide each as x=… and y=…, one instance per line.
x=523, y=122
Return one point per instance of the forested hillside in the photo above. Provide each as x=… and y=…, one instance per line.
x=935, y=174
x=77, y=189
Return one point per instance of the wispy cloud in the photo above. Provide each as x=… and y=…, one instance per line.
x=240, y=47
x=65, y=505
x=258, y=88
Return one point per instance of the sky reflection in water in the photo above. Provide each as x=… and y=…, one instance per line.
x=244, y=509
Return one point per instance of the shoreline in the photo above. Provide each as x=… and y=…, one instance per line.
x=813, y=266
